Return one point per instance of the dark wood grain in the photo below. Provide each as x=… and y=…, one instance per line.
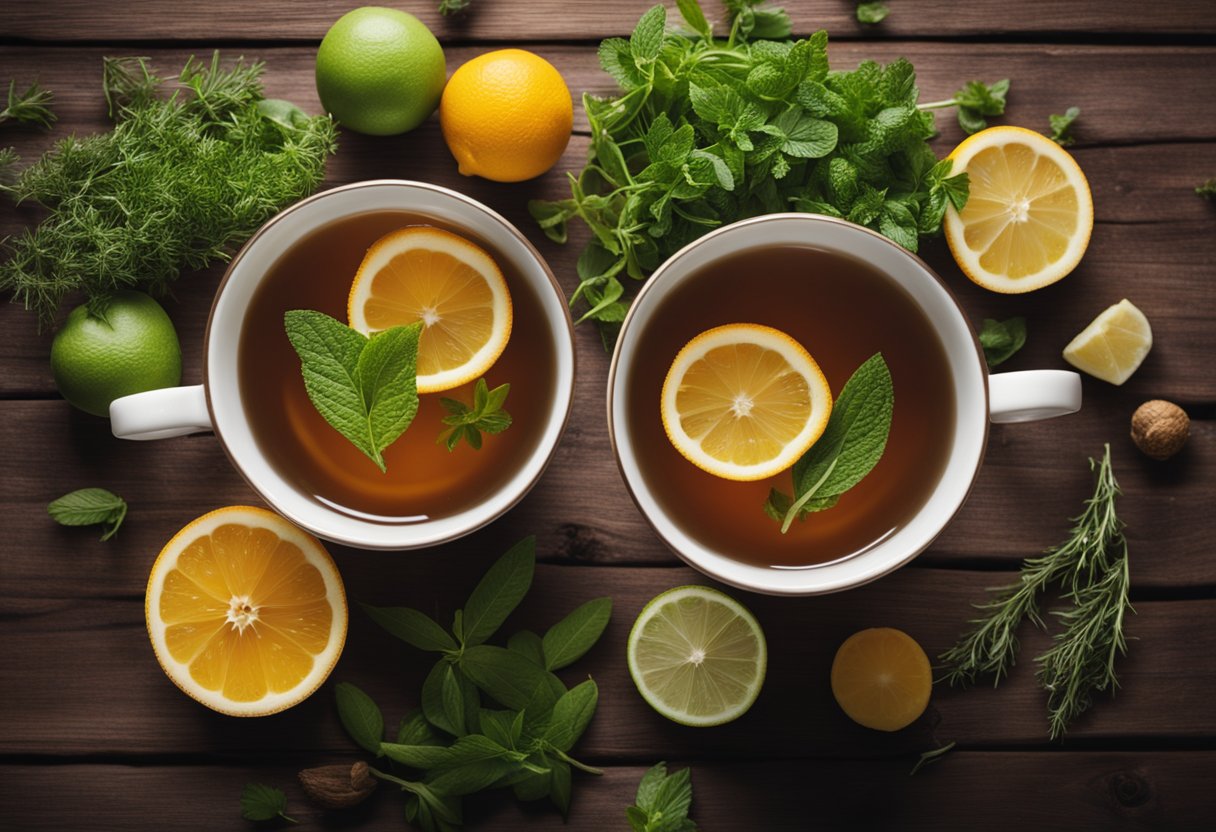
x=85, y=667
x=539, y=20
x=1103, y=790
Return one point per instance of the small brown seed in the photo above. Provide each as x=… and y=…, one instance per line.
x=1160, y=428
x=338, y=786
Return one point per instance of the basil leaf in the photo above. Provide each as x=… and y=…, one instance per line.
x=415, y=730
x=507, y=677
x=498, y=726
x=432, y=698
x=89, y=507
x=571, y=715
x=529, y=645
x=559, y=786
x=472, y=777
x=1001, y=339
x=569, y=639
x=499, y=592
x=452, y=700
x=415, y=756
x=360, y=717
x=411, y=626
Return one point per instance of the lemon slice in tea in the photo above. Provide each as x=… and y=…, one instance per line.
x=246, y=612
x=449, y=284
x=697, y=656
x=744, y=401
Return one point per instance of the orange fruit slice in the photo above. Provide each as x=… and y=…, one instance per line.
x=744, y=401
x=246, y=613
x=882, y=679
x=1028, y=219
x=449, y=284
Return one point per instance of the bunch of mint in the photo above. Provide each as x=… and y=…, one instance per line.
x=709, y=131
x=490, y=716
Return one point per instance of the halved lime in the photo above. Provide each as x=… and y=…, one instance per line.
x=697, y=656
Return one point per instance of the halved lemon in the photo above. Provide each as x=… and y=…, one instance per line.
x=744, y=401
x=1114, y=345
x=246, y=613
x=697, y=656
x=449, y=284
x=882, y=679
x=1030, y=214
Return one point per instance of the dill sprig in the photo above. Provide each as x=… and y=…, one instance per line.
x=1092, y=569
x=29, y=107
x=189, y=171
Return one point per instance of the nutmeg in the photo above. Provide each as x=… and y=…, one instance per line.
x=1160, y=428
x=338, y=786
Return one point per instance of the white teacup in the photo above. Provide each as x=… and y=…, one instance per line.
x=979, y=398
x=216, y=404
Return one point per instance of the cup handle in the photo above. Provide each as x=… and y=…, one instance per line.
x=159, y=414
x=1030, y=395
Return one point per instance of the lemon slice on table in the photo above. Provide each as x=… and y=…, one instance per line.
x=449, y=284
x=246, y=613
x=882, y=679
x=744, y=401
x=1113, y=346
x=1028, y=219
x=697, y=656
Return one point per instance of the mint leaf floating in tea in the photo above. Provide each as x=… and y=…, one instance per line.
x=1061, y=126
x=90, y=507
x=366, y=388
x=662, y=802
x=1001, y=339
x=485, y=416
x=850, y=447
x=261, y=802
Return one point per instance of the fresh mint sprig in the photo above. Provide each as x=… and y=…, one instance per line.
x=261, y=802
x=1062, y=125
x=366, y=388
x=469, y=423
x=490, y=716
x=850, y=447
x=90, y=507
x=662, y=802
x=1001, y=339
x=872, y=12
x=975, y=101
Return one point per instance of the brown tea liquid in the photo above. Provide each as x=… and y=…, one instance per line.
x=843, y=311
x=424, y=480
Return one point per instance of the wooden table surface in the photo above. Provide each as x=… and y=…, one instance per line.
x=93, y=736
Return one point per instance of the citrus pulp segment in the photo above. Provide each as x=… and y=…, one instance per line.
x=744, y=401
x=1029, y=216
x=246, y=613
x=881, y=678
x=1114, y=345
x=697, y=656
x=449, y=284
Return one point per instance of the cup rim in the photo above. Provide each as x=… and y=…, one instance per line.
x=828, y=586
x=559, y=409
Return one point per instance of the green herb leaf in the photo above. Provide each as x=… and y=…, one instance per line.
x=365, y=388
x=571, y=714
x=360, y=717
x=1001, y=339
x=453, y=7
x=872, y=12
x=415, y=756
x=690, y=10
x=90, y=507
x=647, y=37
x=413, y=627
x=485, y=416
x=1061, y=126
x=261, y=802
x=505, y=676
x=851, y=444
x=472, y=777
x=977, y=100
x=559, y=786
x=415, y=730
x=452, y=700
x=930, y=756
x=569, y=639
x=529, y=645
x=499, y=592
x=1207, y=190
x=662, y=802
x=433, y=701
x=29, y=107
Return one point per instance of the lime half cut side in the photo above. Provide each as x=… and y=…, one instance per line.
x=697, y=656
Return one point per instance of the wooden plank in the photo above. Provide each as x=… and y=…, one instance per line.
x=1080, y=790
x=85, y=668
x=1034, y=478
x=66, y=20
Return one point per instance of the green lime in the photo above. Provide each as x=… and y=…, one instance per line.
x=133, y=348
x=697, y=656
x=380, y=71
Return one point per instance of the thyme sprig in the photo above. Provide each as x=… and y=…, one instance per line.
x=1092, y=569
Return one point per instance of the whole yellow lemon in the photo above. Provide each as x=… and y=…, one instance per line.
x=506, y=115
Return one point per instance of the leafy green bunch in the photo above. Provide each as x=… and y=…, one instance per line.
x=490, y=716
x=181, y=179
x=709, y=131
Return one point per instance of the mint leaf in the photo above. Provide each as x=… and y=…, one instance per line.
x=647, y=37
x=415, y=756
x=507, y=677
x=452, y=700
x=90, y=507
x=1061, y=125
x=851, y=444
x=364, y=388
x=872, y=12
x=360, y=717
x=569, y=639
x=559, y=786
x=977, y=100
x=485, y=416
x=499, y=592
x=472, y=777
x=662, y=802
x=690, y=10
x=571, y=714
x=411, y=626
x=529, y=645
x=261, y=802
x=415, y=730
x=434, y=704
x=1001, y=339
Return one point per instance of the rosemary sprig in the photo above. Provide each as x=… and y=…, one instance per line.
x=29, y=107
x=1092, y=568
